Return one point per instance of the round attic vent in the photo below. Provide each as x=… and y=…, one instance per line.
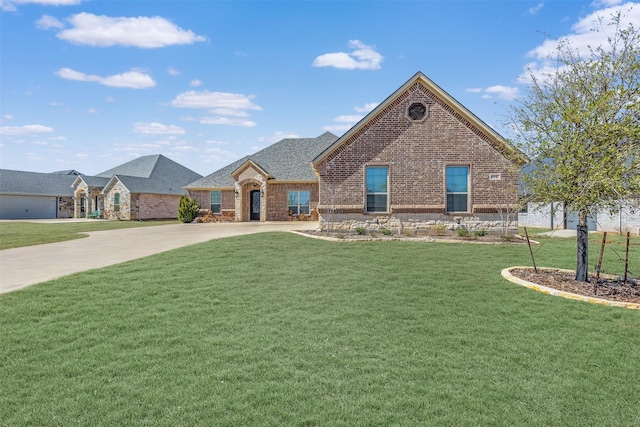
x=417, y=111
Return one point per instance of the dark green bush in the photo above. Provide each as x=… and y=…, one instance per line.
x=361, y=231
x=385, y=232
x=480, y=232
x=188, y=209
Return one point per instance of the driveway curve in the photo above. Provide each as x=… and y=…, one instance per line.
x=22, y=267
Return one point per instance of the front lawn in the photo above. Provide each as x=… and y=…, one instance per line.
x=15, y=234
x=279, y=329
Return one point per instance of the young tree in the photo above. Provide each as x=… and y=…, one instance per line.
x=580, y=125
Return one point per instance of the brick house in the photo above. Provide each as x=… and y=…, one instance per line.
x=148, y=187
x=420, y=158
x=273, y=184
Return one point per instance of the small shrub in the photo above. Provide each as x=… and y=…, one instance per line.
x=462, y=232
x=409, y=232
x=480, y=233
x=385, y=232
x=361, y=231
x=188, y=209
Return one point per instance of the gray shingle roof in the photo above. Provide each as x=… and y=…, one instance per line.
x=286, y=160
x=149, y=186
x=35, y=183
x=155, y=174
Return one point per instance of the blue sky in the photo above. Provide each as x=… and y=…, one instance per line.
x=88, y=85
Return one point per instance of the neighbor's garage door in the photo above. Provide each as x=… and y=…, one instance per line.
x=27, y=207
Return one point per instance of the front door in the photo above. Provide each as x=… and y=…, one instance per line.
x=255, y=205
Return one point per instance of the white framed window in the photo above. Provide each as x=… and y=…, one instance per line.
x=377, y=184
x=216, y=201
x=299, y=202
x=457, y=182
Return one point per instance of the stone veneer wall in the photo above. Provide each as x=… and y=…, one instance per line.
x=417, y=153
x=412, y=224
x=125, y=203
x=66, y=206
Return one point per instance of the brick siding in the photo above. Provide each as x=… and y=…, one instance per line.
x=417, y=153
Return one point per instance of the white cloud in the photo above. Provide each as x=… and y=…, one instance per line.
x=474, y=90
x=363, y=57
x=206, y=99
x=227, y=108
x=7, y=117
x=366, y=108
x=505, y=92
x=195, y=83
x=606, y=3
x=588, y=32
x=348, y=119
x=47, y=22
x=229, y=112
x=10, y=5
x=277, y=136
x=155, y=128
x=129, y=79
x=337, y=128
x=228, y=121
x=536, y=8
x=25, y=130
x=92, y=111
x=144, y=32
x=110, y=99
x=173, y=72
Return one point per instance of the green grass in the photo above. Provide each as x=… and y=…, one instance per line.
x=15, y=234
x=278, y=329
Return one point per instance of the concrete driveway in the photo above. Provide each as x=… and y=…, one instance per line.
x=21, y=267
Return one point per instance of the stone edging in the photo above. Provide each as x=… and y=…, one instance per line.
x=403, y=239
x=506, y=273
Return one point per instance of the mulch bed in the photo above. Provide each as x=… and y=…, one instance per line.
x=611, y=289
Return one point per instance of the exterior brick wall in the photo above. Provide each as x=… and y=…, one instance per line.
x=417, y=153
x=156, y=206
x=204, y=199
x=277, y=199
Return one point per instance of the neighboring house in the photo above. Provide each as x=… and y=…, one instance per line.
x=33, y=195
x=419, y=158
x=555, y=216
x=148, y=187
x=274, y=184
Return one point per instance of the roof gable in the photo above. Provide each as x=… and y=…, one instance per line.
x=248, y=166
x=449, y=103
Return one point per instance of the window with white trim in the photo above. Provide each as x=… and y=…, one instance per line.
x=216, y=201
x=457, y=181
x=299, y=202
x=376, y=184
x=116, y=202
